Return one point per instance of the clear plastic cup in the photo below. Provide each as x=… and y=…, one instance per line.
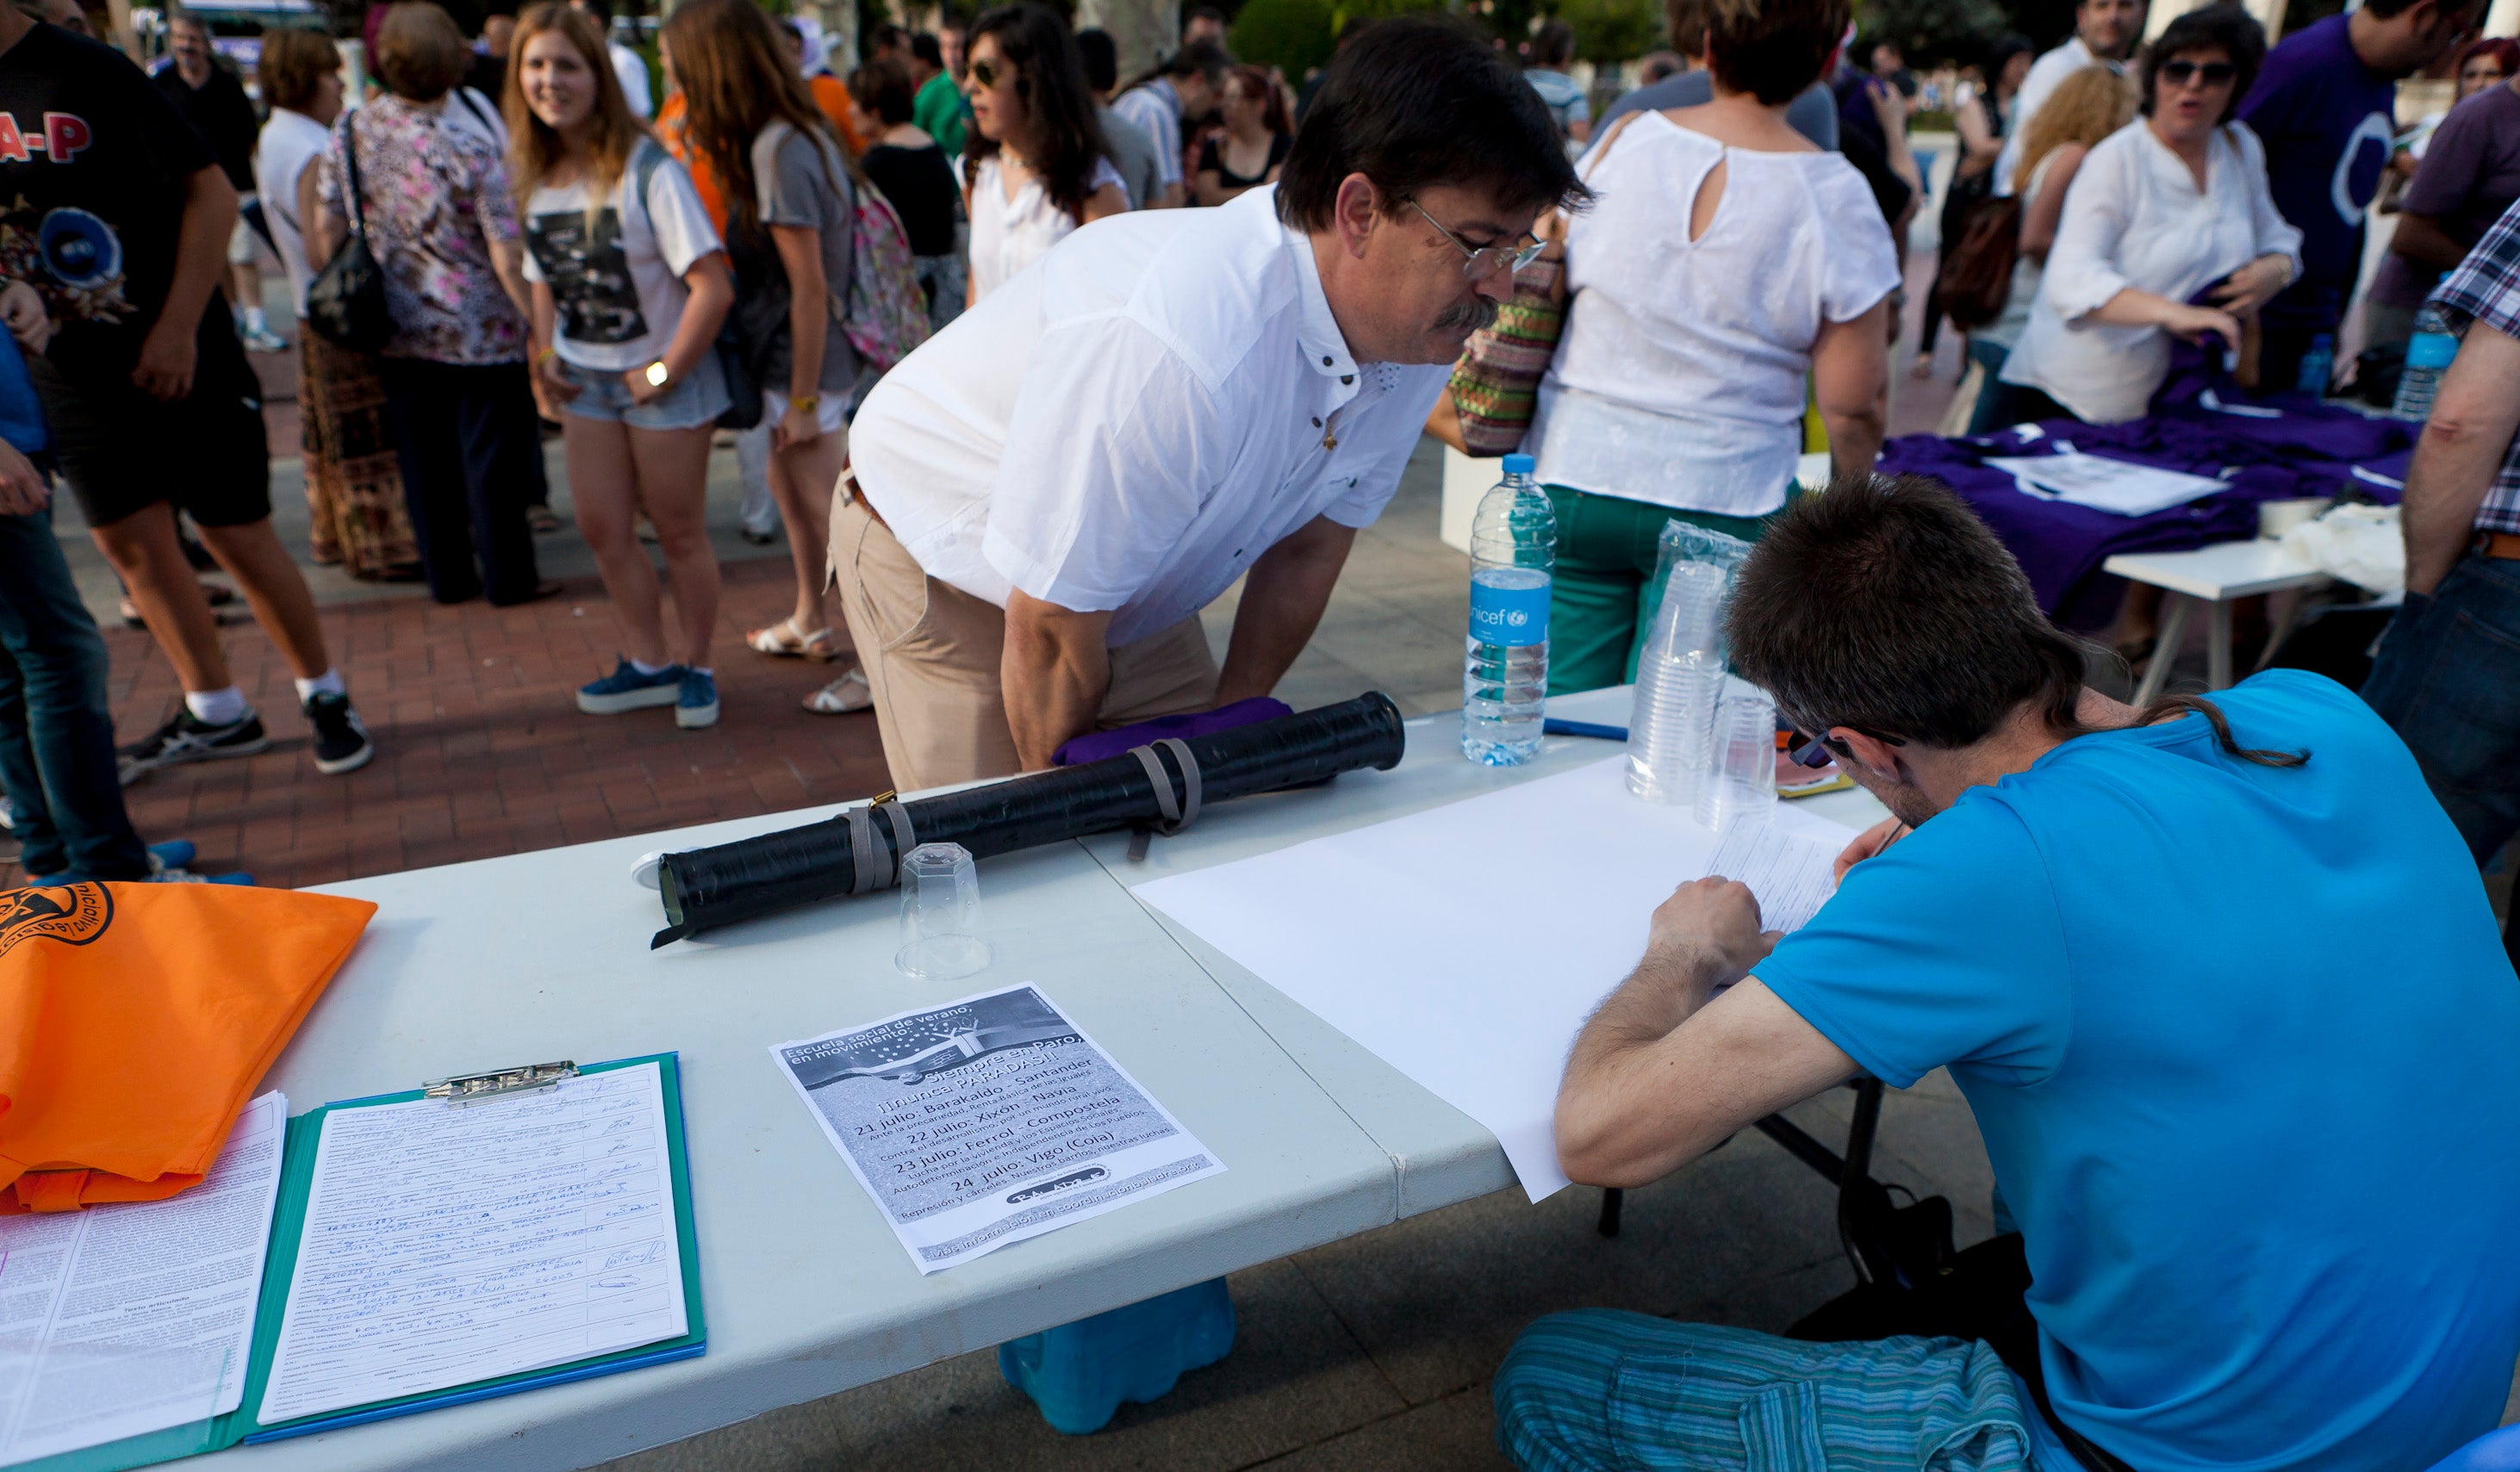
x=1679, y=676
x=940, y=913
x=1741, y=775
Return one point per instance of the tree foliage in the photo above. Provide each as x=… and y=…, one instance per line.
x=1933, y=30
x=1297, y=36
x=1610, y=31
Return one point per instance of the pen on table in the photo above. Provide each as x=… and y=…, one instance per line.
x=1552, y=726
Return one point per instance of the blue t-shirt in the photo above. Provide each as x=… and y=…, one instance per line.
x=2245, y=1051
x=2326, y=120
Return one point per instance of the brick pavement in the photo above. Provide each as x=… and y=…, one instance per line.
x=480, y=747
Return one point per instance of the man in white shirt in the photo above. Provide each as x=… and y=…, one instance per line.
x=1185, y=86
x=2106, y=32
x=1047, y=492
x=628, y=66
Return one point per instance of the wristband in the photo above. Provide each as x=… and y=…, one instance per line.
x=545, y=356
x=810, y=403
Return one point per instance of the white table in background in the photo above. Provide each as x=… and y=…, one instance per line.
x=806, y=1292
x=2215, y=576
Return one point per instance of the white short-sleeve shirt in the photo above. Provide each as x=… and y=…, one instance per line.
x=1009, y=234
x=289, y=143
x=1678, y=378
x=616, y=280
x=1130, y=424
x=2134, y=217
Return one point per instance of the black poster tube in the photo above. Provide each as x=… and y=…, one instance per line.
x=705, y=889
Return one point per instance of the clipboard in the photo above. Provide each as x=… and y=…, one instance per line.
x=289, y=1222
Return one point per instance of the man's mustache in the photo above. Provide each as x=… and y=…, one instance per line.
x=1474, y=316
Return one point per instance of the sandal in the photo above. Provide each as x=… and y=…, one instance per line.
x=849, y=693
x=783, y=640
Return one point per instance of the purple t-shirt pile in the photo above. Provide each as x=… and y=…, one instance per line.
x=2326, y=120
x=2280, y=447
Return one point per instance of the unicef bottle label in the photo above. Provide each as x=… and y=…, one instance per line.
x=1511, y=616
x=2431, y=350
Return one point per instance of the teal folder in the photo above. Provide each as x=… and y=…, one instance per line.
x=288, y=1226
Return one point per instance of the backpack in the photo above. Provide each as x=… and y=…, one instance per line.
x=736, y=364
x=885, y=313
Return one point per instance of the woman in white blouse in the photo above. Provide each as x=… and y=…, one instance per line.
x=1725, y=261
x=1034, y=167
x=2164, y=208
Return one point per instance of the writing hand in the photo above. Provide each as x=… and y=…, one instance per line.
x=1868, y=843
x=1712, y=919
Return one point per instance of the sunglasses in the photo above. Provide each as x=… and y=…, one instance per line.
x=1820, y=750
x=1479, y=262
x=2211, y=73
x=983, y=73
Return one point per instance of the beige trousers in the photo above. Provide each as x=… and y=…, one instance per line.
x=931, y=654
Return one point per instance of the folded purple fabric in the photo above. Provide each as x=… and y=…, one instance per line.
x=2310, y=449
x=1095, y=745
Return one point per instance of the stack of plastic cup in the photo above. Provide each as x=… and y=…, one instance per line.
x=1678, y=677
x=1741, y=770
x=940, y=913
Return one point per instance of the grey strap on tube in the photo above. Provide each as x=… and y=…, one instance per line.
x=1178, y=812
x=865, y=848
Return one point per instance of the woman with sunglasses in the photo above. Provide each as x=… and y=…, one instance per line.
x=1033, y=168
x=2168, y=207
x=1726, y=261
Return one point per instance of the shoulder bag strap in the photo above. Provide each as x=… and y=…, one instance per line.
x=350, y=151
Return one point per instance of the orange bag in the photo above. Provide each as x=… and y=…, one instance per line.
x=135, y=1023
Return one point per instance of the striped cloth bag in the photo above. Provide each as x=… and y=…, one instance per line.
x=1500, y=369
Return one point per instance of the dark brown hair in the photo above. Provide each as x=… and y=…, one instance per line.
x=420, y=53
x=1772, y=49
x=1050, y=77
x=292, y=64
x=1885, y=605
x=737, y=79
x=882, y=86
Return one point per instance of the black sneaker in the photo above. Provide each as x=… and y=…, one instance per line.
x=341, y=741
x=189, y=738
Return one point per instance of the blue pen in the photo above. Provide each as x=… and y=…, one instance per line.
x=1552, y=726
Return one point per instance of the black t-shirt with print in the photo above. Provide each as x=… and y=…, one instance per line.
x=93, y=163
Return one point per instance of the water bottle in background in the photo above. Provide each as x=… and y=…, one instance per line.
x=2318, y=367
x=1505, y=675
x=2428, y=354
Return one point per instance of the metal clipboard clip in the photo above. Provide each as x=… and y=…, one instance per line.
x=523, y=1078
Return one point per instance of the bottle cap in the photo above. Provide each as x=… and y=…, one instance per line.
x=1518, y=464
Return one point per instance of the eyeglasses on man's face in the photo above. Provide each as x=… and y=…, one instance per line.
x=1479, y=262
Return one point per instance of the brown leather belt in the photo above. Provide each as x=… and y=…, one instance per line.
x=2502, y=546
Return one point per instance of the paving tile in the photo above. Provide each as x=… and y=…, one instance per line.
x=1436, y=1298
x=1295, y=1377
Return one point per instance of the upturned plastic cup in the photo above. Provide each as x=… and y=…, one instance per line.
x=1679, y=675
x=1741, y=780
x=940, y=913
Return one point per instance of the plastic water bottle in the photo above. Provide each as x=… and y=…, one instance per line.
x=2428, y=354
x=2318, y=367
x=1504, y=674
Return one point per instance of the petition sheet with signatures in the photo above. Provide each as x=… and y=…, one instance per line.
x=446, y=1244
x=987, y=1121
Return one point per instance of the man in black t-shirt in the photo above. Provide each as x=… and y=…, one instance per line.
x=205, y=90
x=114, y=210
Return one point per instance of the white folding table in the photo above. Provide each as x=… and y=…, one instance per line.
x=806, y=1293
x=2215, y=576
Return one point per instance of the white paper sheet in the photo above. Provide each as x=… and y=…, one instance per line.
x=987, y=1121
x=449, y=1243
x=1466, y=945
x=2117, y=487
x=1791, y=872
x=119, y=1320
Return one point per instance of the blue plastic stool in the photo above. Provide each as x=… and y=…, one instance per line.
x=1079, y=1373
x=2494, y=1452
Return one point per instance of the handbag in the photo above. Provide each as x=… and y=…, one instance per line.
x=345, y=302
x=1977, y=277
x=1496, y=379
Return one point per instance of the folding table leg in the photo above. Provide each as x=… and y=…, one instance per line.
x=2175, y=607
x=1612, y=1198
x=2218, y=646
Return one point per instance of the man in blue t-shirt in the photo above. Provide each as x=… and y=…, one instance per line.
x=2219, y=981
x=2324, y=108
